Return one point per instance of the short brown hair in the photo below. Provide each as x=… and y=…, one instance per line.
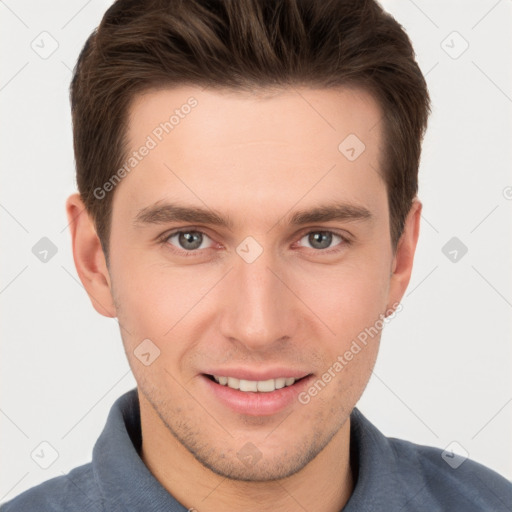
x=244, y=44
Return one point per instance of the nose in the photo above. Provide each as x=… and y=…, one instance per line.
x=260, y=309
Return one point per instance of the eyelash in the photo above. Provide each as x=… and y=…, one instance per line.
x=164, y=240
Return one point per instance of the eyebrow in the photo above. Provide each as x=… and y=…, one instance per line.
x=164, y=213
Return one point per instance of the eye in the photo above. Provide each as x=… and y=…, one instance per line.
x=190, y=240
x=322, y=240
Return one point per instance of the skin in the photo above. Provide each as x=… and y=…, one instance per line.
x=256, y=158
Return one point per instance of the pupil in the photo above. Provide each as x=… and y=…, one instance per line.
x=318, y=236
x=187, y=238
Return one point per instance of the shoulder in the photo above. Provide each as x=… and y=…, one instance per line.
x=450, y=481
x=77, y=489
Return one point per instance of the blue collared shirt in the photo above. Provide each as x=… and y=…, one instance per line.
x=390, y=475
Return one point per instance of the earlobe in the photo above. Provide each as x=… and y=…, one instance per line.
x=404, y=256
x=89, y=258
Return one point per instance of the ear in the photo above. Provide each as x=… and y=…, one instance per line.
x=404, y=255
x=89, y=258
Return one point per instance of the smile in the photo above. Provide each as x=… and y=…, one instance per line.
x=263, y=386
x=255, y=397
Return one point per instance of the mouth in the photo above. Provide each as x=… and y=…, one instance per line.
x=255, y=397
x=255, y=386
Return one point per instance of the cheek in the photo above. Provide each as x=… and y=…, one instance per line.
x=347, y=297
x=351, y=307
x=163, y=303
x=151, y=306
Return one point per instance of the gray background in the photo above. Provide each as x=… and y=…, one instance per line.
x=443, y=373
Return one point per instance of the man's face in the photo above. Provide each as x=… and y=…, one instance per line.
x=263, y=297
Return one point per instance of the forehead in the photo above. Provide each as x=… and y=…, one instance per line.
x=252, y=148
x=223, y=116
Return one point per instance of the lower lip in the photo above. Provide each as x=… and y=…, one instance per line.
x=257, y=403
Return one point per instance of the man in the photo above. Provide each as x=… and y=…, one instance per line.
x=247, y=210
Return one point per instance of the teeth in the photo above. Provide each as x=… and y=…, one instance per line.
x=233, y=383
x=264, y=386
x=248, y=385
x=280, y=383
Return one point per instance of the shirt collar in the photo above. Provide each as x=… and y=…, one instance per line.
x=125, y=481
x=127, y=484
x=375, y=466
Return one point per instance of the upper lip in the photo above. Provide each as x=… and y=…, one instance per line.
x=251, y=374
